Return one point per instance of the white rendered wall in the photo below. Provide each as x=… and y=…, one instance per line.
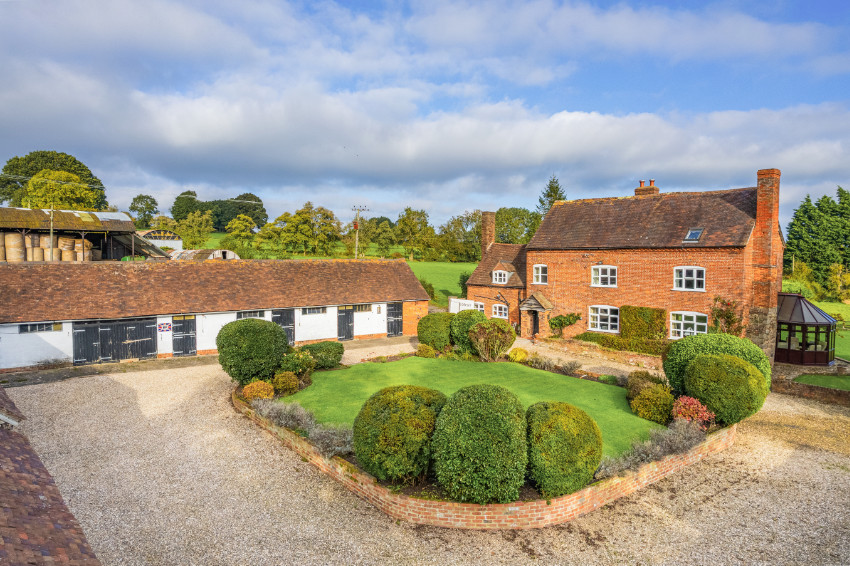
x=316, y=326
x=207, y=327
x=23, y=350
x=371, y=322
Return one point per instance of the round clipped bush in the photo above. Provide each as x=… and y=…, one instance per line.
x=434, y=330
x=327, y=354
x=654, y=403
x=392, y=431
x=731, y=388
x=683, y=351
x=492, y=338
x=564, y=448
x=461, y=323
x=258, y=390
x=639, y=380
x=479, y=446
x=250, y=349
x=285, y=383
x=518, y=355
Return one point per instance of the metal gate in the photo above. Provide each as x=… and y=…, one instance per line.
x=183, y=339
x=345, y=322
x=395, y=319
x=114, y=340
x=286, y=319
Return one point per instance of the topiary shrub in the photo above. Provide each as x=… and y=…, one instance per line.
x=518, y=355
x=731, y=388
x=392, y=431
x=654, y=403
x=285, y=383
x=258, y=390
x=683, y=351
x=461, y=323
x=435, y=330
x=327, y=354
x=642, y=323
x=564, y=448
x=479, y=445
x=492, y=338
x=299, y=362
x=690, y=409
x=639, y=380
x=426, y=351
x=250, y=349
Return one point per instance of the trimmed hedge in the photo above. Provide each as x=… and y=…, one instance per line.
x=615, y=342
x=730, y=387
x=435, y=330
x=643, y=323
x=639, y=380
x=392, y=431
x=479, y=445
x=564, y=448
x=251, y=349
x=327, y=354
x=492, y=338
x=461, y=324
x=285, y=383
x=654, y=403
x=683, y=352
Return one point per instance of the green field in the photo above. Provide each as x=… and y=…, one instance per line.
x=214, y=241
x=444, y=276
x=336, y=396
x=831, y=381
x=842, y=339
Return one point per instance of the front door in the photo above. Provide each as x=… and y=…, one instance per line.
x=286, y=319
x=395, y=319
x=535, y=322
x=184, y=341
x=345, y=322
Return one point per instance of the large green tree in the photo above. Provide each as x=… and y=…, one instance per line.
x=18, y=171
x=412, y=231
x=145, y=208
x=551, y=192
x=516, y=225
x=819, y=235
x=311, y=230
x=185, y=203
x=195, y=229
x=384, y=238
x=58, y=189
x=460, y=237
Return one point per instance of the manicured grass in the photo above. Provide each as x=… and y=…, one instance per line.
x=443, y=275
x=842, y=338
x=214, y=241
x=832, y=381
x=336, y=396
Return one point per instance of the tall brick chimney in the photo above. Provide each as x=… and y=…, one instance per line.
x=767, y=251
x=644, y=190
x=488, y=231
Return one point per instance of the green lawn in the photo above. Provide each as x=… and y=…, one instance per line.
x=444, y=276
x=213, y=242
x=832, y=381
x=336, y=396
x=842, y=339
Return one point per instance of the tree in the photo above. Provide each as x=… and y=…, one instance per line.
x=58, y=189
x=240, y=235
x=164, y=223
x=412, y=230
x=18, y=170
x=516, y=225
x=310, y=230
x=195, y=229
x=819, y=235
x=460, y=237
x=268, y=241
x=838, y=282
x=185, y=203
x=384, y=238
x=551, y=192
x=144, y=207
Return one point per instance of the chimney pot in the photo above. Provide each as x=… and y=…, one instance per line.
x=652, y=182
x=642, y=182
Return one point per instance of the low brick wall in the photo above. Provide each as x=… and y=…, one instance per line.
x=783, y=382
x=518, y=515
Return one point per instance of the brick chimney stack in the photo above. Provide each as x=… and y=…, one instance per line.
x=488, y=231
x=644, y=190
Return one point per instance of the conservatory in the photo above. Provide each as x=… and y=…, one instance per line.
x=805, y=334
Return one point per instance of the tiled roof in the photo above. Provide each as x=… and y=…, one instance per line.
x=8, y=408
x=498, y=255
x=33, y=292
x=76, y=220
x=652, y=221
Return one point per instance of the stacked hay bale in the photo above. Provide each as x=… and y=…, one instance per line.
x=82, y=247
x=66, y=249
x=15, y=248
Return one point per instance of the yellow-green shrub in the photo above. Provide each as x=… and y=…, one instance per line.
x=518, y=355
x=731, y=388
x=285, y=383
x=258, y=390
x=654, y=403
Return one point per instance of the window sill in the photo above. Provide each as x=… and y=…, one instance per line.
x=603, y=286
x=689, y=290
x=605, y=331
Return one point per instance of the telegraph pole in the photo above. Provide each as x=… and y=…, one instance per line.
x=357, y=210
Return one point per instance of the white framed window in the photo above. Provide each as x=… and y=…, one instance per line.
x=250, y=314
x=541, y=274
x=603, y=276
x=687, y=324
x=479, y=307
x=314, y=310
x=500, y=277
x=689, y=278
x=500, y=311
x=604, y=318
x=40, y=327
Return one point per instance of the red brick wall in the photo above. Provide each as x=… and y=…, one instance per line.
x=412, y=312
x=487, y=295
x=518, y=515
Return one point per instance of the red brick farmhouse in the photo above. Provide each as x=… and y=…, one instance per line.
x=674, y=251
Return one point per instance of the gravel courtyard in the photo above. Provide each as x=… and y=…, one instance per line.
x=159, y=469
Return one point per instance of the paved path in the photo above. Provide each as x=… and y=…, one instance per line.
x=159, y=469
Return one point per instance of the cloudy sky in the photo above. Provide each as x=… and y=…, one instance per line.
x=442, y=105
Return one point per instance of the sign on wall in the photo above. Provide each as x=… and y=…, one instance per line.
x=163, y=327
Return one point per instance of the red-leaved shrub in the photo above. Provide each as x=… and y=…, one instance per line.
x=691, y=409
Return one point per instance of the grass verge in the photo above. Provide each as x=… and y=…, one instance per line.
x=841, y=382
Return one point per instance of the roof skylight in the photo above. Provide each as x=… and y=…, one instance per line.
x=693, y=235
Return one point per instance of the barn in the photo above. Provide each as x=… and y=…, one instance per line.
x=94, y=312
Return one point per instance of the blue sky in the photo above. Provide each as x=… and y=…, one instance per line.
x=442, y=105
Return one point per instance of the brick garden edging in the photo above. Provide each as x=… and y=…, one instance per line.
x=518, y=515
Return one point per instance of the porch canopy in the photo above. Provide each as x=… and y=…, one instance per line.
x=805, y=334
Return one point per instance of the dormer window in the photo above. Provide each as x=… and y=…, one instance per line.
x=500, y=277
x=693, y=235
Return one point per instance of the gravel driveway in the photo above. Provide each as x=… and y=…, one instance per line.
x=159, y=469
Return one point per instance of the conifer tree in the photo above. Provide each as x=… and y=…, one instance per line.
x=551, y=192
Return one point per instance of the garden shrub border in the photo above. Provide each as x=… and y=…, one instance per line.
x=517, y=515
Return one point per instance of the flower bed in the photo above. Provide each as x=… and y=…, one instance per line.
x=518, y=515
